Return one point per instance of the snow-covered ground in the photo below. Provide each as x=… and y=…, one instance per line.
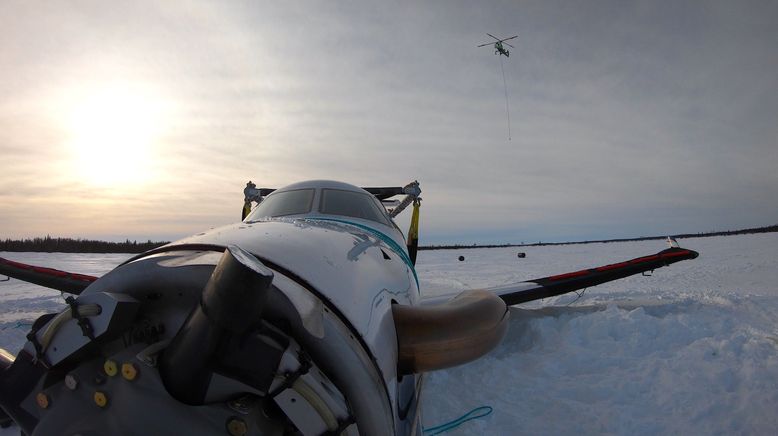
x=690, y=350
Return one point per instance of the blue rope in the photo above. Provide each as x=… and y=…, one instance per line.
x=478, y=412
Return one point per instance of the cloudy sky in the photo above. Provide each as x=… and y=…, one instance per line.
x=145, y=120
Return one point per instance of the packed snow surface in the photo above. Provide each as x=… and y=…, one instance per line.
x=692, y=349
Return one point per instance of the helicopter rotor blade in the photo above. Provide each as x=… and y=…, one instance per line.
x=488, y=43
x=507, y=39
x=508, y=45
x=498, y=39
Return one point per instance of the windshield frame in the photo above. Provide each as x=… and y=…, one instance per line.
x=255, y=215
x=369, y=198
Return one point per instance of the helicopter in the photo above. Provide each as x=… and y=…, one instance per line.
x=303, y=318
x=498, y=46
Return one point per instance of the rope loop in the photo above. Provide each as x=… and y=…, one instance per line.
x=477, y=413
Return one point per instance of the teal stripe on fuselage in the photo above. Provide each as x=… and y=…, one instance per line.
x=393, y=245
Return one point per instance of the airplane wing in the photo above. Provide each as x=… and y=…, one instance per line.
x=514, y=293
x=535, y=289
x=51, y=278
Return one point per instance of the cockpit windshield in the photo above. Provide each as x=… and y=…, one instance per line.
x=295, y=202
x=353, y=204
x=329, y=201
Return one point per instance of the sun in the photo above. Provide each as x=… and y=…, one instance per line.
x=113, y=131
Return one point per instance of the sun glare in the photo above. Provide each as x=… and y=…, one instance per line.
x=113, y=134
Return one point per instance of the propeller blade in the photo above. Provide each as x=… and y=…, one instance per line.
x=488, y=43
x=507, y=39
x=494, y=36
x=509, y=45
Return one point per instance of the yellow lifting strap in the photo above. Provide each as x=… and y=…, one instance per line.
x=246, y=209
x=413, y=232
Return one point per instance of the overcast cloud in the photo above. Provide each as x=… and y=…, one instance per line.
x=627, y=118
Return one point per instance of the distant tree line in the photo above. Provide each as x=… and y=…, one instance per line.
x=461, y=246
x=767, y=229
x=69, y=245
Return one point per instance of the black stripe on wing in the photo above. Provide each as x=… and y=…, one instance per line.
x=568, y=282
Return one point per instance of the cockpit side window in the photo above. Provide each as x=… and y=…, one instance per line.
x=353, y=204
x=296, y=202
